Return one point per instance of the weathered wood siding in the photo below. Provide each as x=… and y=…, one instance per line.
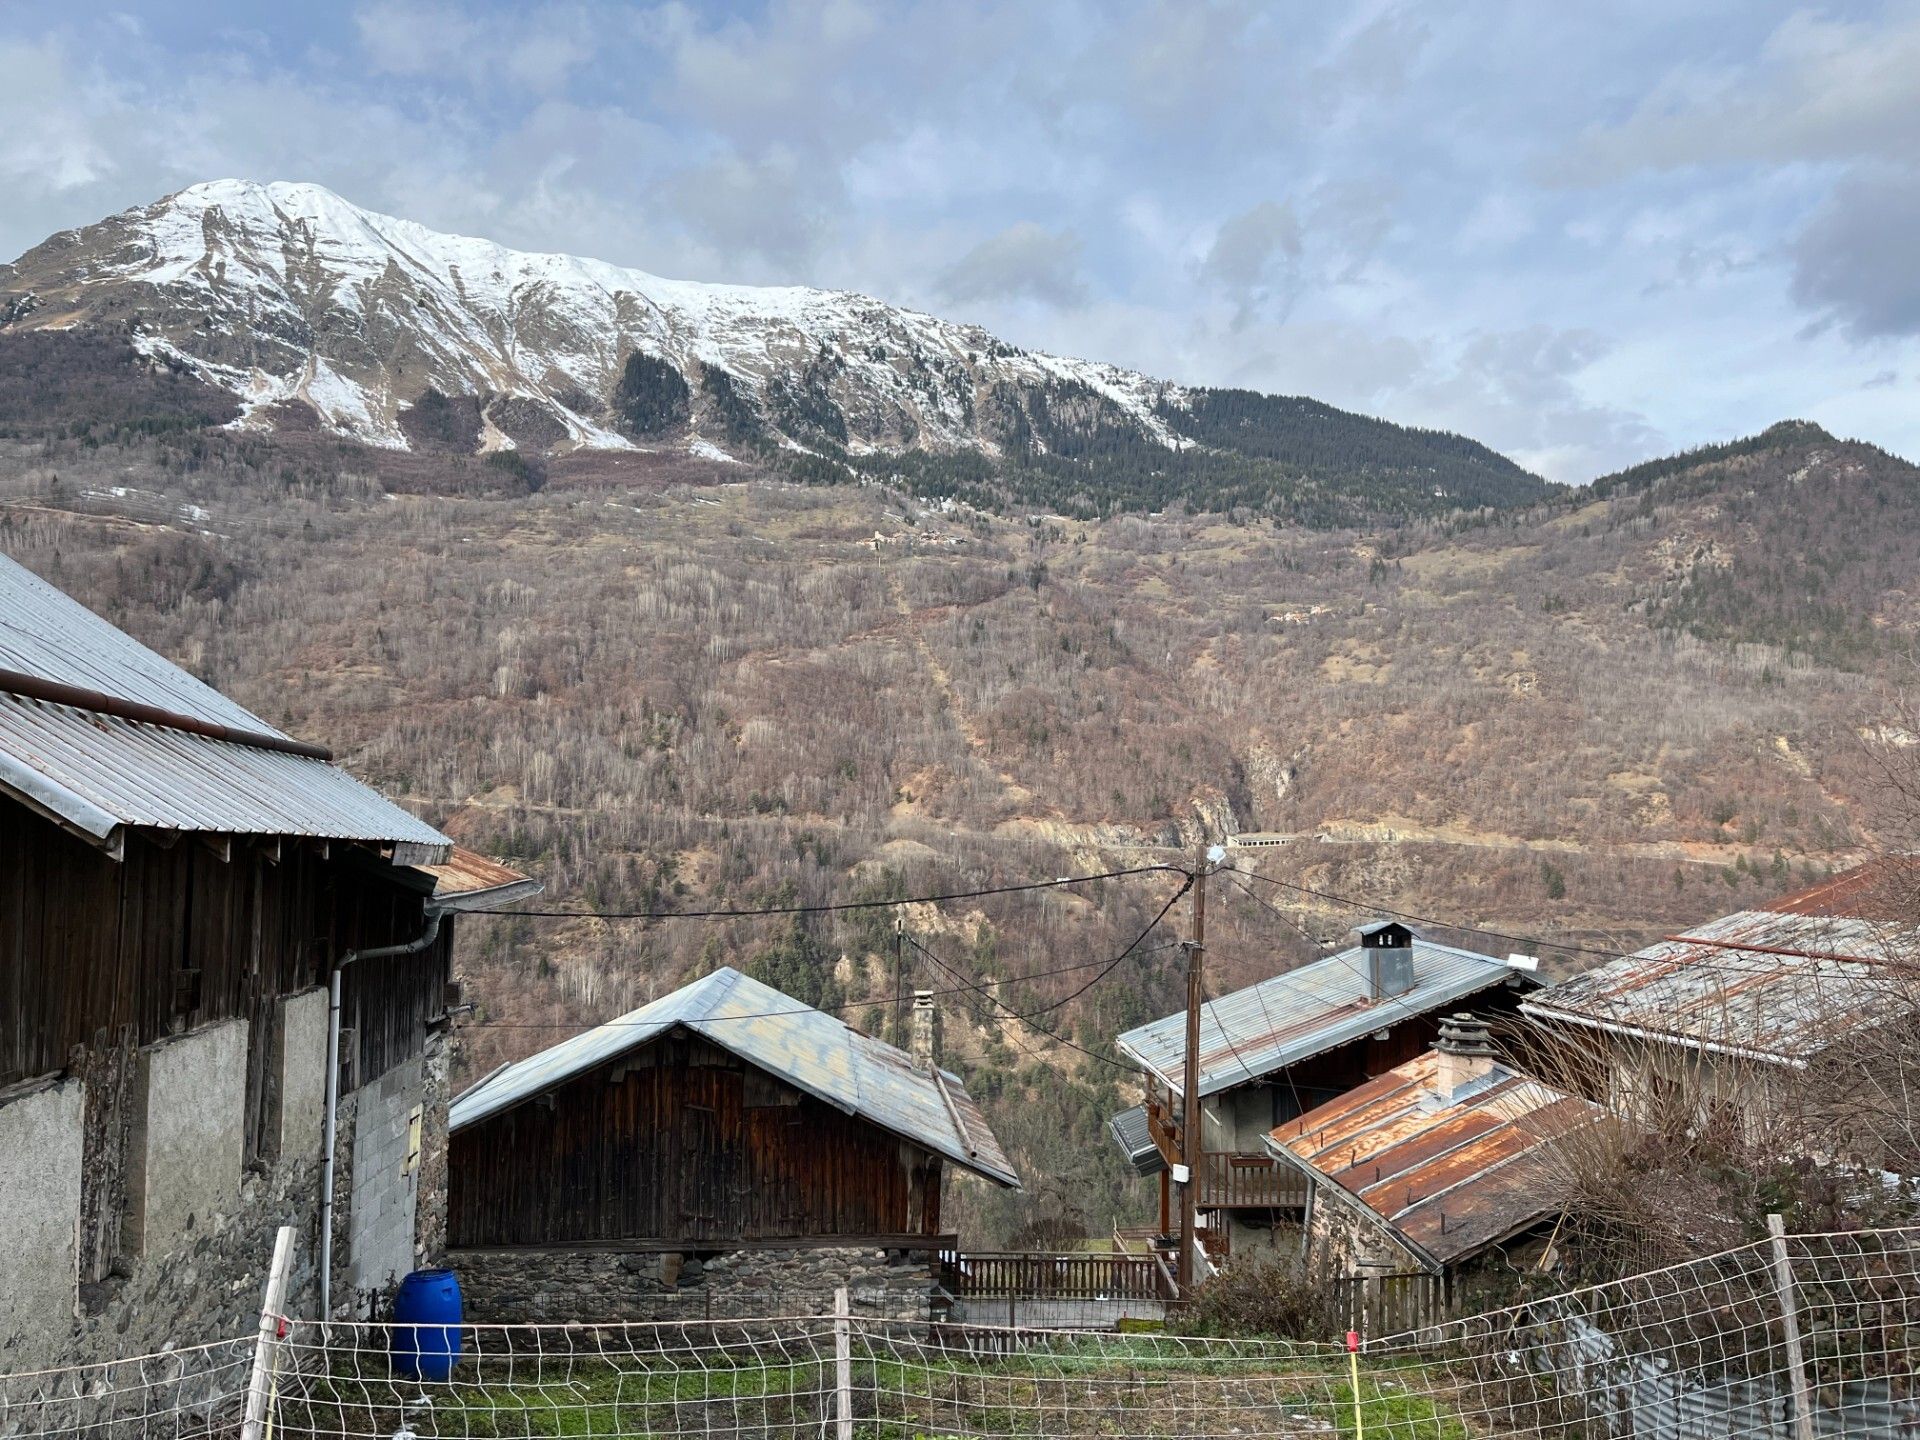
x=98, y=954
x=683, y=1141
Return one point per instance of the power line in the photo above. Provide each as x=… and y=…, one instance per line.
x=745, y=914
x=1027, y=1018
x=838, y=1012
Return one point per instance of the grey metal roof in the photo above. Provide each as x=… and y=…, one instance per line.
x=46, y=632
x=1292, y=1017
x=1778, y=984
x=98, y=773
x=807, y=1048
x=1130, y=1133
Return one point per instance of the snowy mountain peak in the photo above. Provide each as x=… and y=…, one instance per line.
x=298, y=301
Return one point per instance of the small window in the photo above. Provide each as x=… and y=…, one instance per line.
x=416, y=1120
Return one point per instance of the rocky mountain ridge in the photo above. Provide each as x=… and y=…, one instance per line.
x=311, y=311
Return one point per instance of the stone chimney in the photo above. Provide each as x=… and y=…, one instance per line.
x=1464, y=1053
x=924, y=1045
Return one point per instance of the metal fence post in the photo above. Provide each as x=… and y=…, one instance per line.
x=266, y=1348
x=1790, y=1329
x=843, y=1363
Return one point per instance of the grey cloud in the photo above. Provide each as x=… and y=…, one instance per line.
x=1024, y=261
x=1252, y=247
x=536, y=48
x=1820, y=90
x=1854, y=263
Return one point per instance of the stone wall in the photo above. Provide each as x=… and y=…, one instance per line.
x=540, y=1286
x=194, y=1269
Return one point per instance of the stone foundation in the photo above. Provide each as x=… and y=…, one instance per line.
x=560, y=1286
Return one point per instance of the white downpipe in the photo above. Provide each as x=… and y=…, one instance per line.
x=412, y=947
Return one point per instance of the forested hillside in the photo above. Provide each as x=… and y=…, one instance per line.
x=659, y=684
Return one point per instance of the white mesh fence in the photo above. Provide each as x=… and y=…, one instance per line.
x=1732, y=1345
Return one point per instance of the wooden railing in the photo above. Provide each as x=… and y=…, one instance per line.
x=1250, y=1182
x=1074, y=1275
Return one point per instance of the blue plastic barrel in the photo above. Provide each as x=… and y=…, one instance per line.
x=426, y=1325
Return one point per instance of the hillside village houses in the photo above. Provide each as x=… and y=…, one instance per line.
x=1278, y=1048
x=722, y=1151
x=1728, y=1016
x=196, y=912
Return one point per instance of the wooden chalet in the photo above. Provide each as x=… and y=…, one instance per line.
x=179, y=883
x=1273, y=1050
x=721, y=1118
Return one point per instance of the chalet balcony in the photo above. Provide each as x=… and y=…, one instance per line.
x=1249, y=1182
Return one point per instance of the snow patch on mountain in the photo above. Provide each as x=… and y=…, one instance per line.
x=286, y=293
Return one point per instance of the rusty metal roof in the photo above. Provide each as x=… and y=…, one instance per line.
x=807, y=1048
x=1778, y=984
x=470, y=881
x=1294, y=1016
x=1449, y=1175
x=99, y=773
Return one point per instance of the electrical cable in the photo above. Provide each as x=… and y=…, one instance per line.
x=747, y=914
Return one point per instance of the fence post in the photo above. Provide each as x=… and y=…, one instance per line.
x=842, y=1364
x=266, y=1348
x=1790, y=1328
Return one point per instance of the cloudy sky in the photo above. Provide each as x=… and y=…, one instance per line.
x=1582, y=233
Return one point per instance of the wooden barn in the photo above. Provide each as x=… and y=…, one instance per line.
x=723, y=1130
x=179, y=884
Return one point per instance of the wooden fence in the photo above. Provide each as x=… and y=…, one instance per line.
x=1377, y=1305
x=1068, y=1275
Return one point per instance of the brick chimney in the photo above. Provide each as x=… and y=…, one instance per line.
x=1464, y=1054
x=924, y=1044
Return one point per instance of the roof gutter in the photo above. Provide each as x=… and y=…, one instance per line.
x=55, y=692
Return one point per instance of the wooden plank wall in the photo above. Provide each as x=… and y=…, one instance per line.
x=683, y=1141
x=97, y=954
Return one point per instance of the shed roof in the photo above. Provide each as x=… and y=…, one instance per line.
x=1779, y=984
x=470, y=881
x=97, y=773
x=809, y=1049
x=1294, y=1016
x=1130, y=1133
x=1449, y=1176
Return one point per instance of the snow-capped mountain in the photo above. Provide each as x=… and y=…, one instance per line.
x=288, y=297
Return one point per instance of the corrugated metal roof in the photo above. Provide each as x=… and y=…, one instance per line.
x=1450, y=1175
x=470, y=881
x=1292, y=1017
x=1779, y=984
x=809, y=1049
x=47, y=633
x=99, y=772
x=1130, y=1133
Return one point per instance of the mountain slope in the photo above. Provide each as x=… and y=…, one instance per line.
x=308, y=309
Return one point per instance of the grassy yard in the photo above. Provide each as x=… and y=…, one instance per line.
x=1112, y=1387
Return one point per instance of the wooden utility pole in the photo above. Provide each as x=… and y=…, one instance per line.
x=1193, y=1150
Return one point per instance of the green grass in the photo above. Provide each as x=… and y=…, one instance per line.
x=1109, y=1385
